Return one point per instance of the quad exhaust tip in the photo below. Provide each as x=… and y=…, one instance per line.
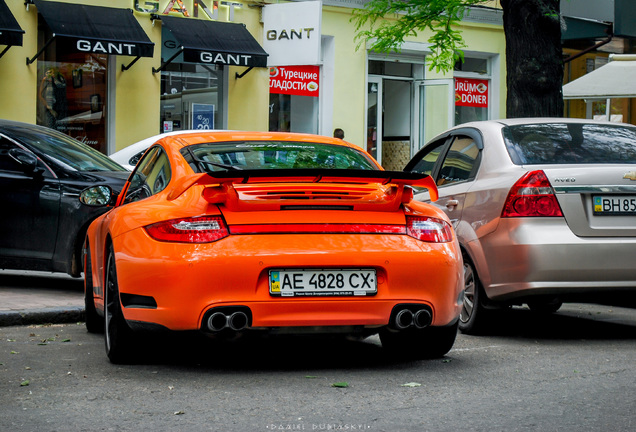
x=406, y=318
x=235, y=321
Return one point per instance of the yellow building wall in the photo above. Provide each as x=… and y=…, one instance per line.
x=137, y=90
x=137, y=98
x=248, y=105
x=350, y=68
x=349, y=109
x=18, y=82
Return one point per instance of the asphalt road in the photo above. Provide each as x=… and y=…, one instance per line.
x=574, y=371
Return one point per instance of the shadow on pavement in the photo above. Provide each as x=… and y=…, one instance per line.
x=40, y=280
x=570, y=323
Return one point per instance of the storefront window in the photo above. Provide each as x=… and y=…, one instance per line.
x=294, y=99
x=191, y=97
x=472, y=84
x=72, y=96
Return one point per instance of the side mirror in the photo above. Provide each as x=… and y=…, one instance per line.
x=27, y=160
x=96, y=196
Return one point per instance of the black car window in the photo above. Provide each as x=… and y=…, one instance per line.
x=58, y=149
x=151, y=176
x=460, y=163
x=570, y=143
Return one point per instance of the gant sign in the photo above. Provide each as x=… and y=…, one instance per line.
x=292, y=33
x=119, y=48
x=225, y=59
x=178, y=7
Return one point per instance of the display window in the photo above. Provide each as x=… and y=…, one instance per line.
x=72, y=96
x=294, y=98
x=191, y=97
x=472, y=90
x=74, y=45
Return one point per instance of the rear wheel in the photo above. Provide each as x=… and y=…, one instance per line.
x=474, y=317
x=426, y=343
x=94, y=323
x=118, y=336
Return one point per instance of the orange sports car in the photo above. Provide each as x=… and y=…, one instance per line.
x=235, y=232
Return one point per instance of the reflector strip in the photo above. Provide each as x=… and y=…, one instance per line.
x=318, y=229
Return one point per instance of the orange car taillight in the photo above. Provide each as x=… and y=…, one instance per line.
x=204, y=229
x=428, y=229
x=531, y=196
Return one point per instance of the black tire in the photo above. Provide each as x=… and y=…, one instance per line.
x=545, y=307
x=94, y=323
x=427, y=343
x=119, y=338
x=474, y=318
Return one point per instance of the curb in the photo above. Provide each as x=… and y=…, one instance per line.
x=42, y=316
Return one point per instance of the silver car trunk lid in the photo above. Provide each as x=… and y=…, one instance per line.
x=597, y=200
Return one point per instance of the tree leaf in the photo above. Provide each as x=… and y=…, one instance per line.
x=340, y=384
x=412, y=384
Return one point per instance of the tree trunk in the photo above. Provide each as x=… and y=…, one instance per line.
x=533, y=58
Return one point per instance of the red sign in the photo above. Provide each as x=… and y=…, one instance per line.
x=471, y=92
x=295, y=80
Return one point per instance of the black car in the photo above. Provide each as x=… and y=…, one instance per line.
x=51, y=188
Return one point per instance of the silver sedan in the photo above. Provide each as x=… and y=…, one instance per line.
x=544, y=209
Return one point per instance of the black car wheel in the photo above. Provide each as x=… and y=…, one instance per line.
x=94, y=323
x=426, y=343
x=119, y=337
x=473, y=317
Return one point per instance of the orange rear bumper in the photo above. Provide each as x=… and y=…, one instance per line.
x=187, y=280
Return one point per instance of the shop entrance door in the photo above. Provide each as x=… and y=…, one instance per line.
x=435, y=110
x=374, y=118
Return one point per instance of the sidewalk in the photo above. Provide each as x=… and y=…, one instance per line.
x=28, y=297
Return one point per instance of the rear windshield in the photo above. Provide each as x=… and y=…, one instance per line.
x=572, y=143
x=253, y=155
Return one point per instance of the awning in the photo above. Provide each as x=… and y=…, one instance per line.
x=213, y=42
x=10, y=31
x=582, y=28
x=613, y=80
x=94, y=29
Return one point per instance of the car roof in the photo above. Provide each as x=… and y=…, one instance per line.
x=225, y=136
x=535, y=120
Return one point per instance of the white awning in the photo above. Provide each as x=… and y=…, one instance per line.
x=616, y=79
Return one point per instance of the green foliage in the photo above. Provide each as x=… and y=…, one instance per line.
x=386, y=23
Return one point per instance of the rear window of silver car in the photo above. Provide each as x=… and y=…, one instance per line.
x=570, y=143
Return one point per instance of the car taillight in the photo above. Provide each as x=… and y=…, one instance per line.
x=428, y=229
x=205, y=229
x=531, y=196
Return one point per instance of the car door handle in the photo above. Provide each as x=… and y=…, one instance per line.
x=451, y=204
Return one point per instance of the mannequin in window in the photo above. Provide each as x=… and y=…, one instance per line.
x=52, y=94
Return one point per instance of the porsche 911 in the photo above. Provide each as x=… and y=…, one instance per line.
x=234, y=233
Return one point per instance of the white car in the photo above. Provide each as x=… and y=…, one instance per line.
x=129, y=156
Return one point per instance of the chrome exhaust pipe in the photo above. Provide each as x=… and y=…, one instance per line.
x=403, y=319
x=422, y=319
x=217, y=321
x=237, y=321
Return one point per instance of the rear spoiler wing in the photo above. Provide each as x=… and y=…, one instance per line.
x=399, y=178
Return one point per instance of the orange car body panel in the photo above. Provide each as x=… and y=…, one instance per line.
x=186, y=280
